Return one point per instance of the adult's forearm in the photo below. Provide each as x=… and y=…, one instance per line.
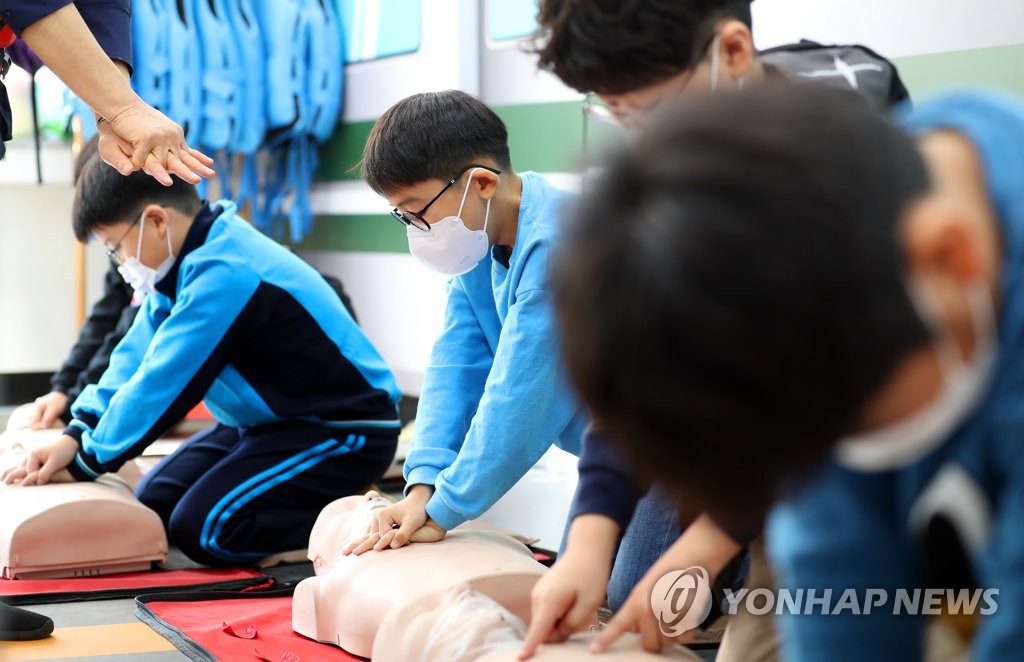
x=85, y=68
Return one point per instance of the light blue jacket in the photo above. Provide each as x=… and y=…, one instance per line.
x=862, y=530
x=495, y=395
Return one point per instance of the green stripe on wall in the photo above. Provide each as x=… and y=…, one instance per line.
x=1001, y=67
x=544, y=137
x=372, y=233
x=342, y=152
x=547, y=137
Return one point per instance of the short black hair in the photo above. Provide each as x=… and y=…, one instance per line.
x=432, y=135
x=89, y=151
x=618, y=46
x=103, y=196
x=732, y=295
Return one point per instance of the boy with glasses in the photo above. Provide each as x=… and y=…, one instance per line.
x=637, y=56
x=306, y=407
x=494, y=396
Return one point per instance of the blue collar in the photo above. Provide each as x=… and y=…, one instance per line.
x=196, y=237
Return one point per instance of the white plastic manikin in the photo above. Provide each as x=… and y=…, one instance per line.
x=464, y=598
x=72, y=529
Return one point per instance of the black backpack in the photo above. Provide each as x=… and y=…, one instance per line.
x=849, y=67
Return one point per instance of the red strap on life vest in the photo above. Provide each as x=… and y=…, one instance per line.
x=7, y=35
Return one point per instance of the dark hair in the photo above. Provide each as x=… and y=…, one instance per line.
x=89, y=151
x=617, y=46
x=732, y=294
x=103, y=196
x=432, y=135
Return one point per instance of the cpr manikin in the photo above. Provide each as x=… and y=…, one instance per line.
x=20, y=436
x=464, y=598
x=72, y=529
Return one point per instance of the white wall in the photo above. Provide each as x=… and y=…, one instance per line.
x=400, y=305
x=447, y=59
x=37, y=280
x=895, y=28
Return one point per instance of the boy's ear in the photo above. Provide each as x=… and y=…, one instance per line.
x=486, y=183
x=939, y=238
x=158, y=217
x=736, y=48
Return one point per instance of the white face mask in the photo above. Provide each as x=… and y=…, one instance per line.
x=141, y=278
x=449, y=246
x=908, y=440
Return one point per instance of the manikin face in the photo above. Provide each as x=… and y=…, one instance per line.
x=338, y=522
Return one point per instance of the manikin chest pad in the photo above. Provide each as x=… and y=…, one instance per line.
x=485, y=620
x=350, y=596
x=73, y=529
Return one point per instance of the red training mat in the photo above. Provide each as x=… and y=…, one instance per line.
x=222, y=628
x=150, y=581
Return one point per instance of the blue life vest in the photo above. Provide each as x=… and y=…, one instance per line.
x=284, y=39
x=186, y=70
x=257, y=80
x=251, y=121
x=223, y=70
x=326, y=69
x=151, y=52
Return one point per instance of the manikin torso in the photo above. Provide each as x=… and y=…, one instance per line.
x=464, y=598
x=72, y=529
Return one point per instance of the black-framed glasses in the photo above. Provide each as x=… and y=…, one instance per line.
x=415, y=218
x=113, y=251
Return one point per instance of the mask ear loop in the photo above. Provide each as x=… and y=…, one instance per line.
x=142, y=226
x=487, y=214
x=983, y=317
x=465, y=192
x=923, y=298
x=982, y=320
x=714, y=62
x=170, y=249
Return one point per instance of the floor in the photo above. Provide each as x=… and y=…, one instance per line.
x=105, y=631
